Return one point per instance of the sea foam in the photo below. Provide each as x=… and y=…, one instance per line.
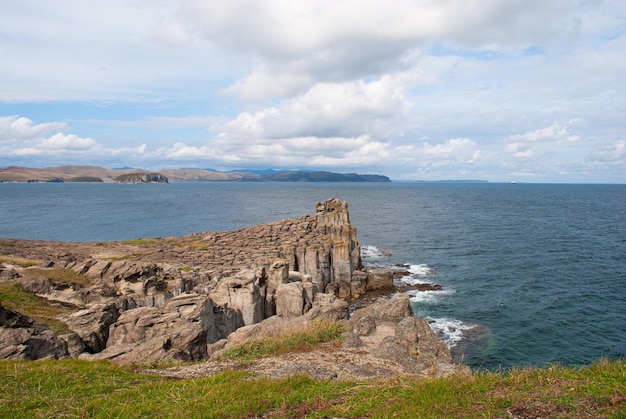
x=451, y=331
x=373, y=252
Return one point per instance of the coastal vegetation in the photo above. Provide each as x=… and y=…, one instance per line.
x=299, y=340
x=14, y=297
x=24, y=263
x=63, y=276
x=82, y=389
x=77, y=388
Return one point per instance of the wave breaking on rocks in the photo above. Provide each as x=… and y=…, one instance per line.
x=188, y=298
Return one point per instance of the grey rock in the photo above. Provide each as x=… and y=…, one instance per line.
x=92, y=325
x=290, y=300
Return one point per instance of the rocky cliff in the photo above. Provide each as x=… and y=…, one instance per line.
x=141, y=178
x=182, y=298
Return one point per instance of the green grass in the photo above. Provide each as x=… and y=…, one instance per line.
x=82, y=389
x=13, y=296
x=300, y=340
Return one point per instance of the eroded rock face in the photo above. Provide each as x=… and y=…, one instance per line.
x=22, y=339
x=179, y=331
x=185, y=298
x=92, y=325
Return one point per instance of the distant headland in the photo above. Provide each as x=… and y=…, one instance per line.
x=135, y=175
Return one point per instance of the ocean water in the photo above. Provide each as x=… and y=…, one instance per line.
x=531, y=273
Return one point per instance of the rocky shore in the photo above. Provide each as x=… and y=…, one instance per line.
x=189, y=298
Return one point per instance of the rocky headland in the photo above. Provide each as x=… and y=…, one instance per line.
x=191, y=298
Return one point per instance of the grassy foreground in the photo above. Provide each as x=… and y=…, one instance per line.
x=81, y=389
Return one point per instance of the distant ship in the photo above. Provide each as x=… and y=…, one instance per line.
x=512, y=182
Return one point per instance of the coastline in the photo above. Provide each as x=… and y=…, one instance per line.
x=298, y=271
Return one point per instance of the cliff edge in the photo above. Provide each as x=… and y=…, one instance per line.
x=186, y=298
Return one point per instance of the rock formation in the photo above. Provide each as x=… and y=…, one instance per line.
x=185, y=298
x=22, y=338
x=141, y=178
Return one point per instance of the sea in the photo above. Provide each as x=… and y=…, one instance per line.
x=531, y=274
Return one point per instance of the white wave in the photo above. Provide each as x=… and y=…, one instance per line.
x=415, y=273
x=419, y=270
x=429, y=297
x=451, y=331
x=373, y=252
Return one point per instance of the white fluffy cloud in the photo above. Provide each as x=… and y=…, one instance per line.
x=14, y=128
x=412, y=89
x=299, y=43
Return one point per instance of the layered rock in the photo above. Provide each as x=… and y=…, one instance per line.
x=186, y=298
x=382, y=341
x=178, y=331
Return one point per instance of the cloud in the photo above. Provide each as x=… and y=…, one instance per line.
x=298, y=44
x=554, y=133
x=538, y=144
x=613, y=154
x=13, y=128
x=416, y=89
x=23, y=138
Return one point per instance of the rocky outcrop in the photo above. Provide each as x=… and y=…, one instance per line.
x=186, y=298
x=382, y=341
x=178, y=331
x=141, y=178
x=22, y=339
x=92, y=325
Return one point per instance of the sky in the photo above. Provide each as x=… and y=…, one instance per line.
x=497, y=90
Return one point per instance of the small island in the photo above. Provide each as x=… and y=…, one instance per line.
x=136, y=178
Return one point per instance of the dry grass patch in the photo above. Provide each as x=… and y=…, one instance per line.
x=64, y=276
x=24, y=263
x=140, y=242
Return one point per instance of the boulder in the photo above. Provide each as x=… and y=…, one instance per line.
x=419, y=339
x=21, y=338
x=242, y=292
x=8, y=272
x=290, y=300
x=92, y=325
x=358, y=284
x=379, y=279
x=391, y=348
x=13, y=319
x=29, y=343
x=75, y=345
x=392, y=309
x=328, y=307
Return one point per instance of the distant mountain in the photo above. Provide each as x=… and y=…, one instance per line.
x=101, y=174
x=297, y=176
x=443, y=181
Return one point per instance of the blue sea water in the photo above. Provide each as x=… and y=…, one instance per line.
x=531, y=273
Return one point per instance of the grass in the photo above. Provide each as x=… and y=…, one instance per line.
x=300, y=340
x=199, y=246
x=13, y=296
x=67, y=276
x=140, y=242
x=81, y=389
x=24, y=263
x=131, y=256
